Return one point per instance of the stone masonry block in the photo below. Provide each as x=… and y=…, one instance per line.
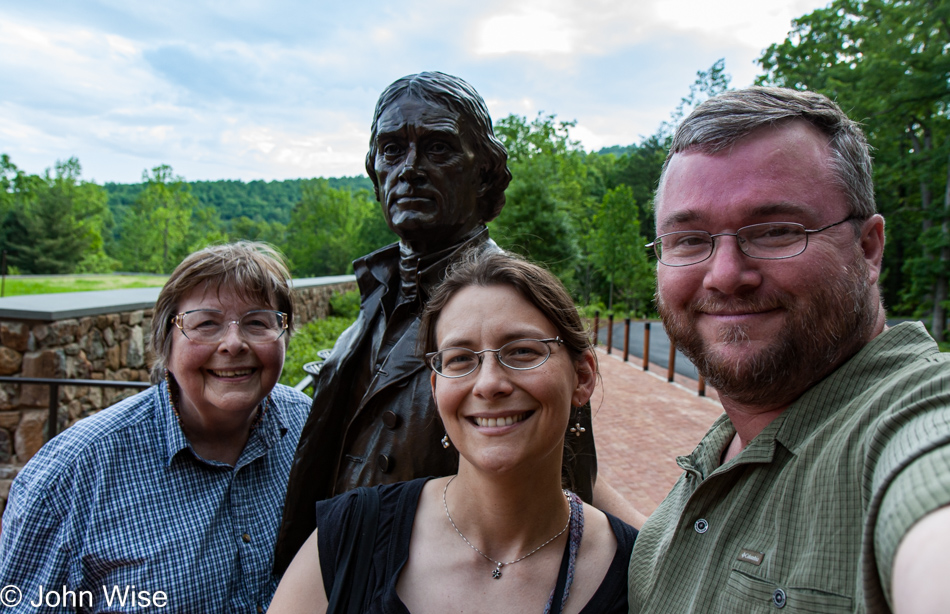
x=29, y=435
x=136, y=352
x=6, y=448
x=45, y=363
x=9, y=419
x=64, y=332
x=10, y=361
x=15, y=335
x=113, y=360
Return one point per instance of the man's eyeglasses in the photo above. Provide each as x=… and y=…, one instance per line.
x=211, y=325
x=770, y=241
x=519, y=355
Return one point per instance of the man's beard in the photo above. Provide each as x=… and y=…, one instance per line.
x=821, y=331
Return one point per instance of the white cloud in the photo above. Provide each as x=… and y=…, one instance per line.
x=527, y=31
x=287, y=89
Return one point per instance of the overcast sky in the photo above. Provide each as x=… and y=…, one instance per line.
x=246, y=89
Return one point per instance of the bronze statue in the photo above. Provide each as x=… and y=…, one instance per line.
x=440, y=175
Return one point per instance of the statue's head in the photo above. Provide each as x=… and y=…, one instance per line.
x=436, y=166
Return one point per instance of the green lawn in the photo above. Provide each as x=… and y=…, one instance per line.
x=54, y=284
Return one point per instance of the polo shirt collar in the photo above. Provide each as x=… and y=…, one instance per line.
x=893, y=349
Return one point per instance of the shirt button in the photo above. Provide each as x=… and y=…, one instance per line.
x=246, y=538
x=778, y=598
x=390, y=419
x=260, y=610
x=385, y=463
x=701, y=526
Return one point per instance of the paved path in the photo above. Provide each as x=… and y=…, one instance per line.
x=642, y=423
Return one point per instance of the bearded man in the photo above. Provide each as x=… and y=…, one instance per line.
x=825, y=485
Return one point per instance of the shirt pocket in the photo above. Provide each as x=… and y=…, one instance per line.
x=753, y=595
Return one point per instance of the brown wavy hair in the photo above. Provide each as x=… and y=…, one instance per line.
x=499, y=268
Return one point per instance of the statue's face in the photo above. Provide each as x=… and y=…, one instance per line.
x=430, y=179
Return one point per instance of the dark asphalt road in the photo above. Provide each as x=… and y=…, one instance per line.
x=659, y=345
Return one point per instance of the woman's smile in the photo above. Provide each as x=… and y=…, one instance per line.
x=497, y=421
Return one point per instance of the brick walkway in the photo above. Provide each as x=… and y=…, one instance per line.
x=642, y=423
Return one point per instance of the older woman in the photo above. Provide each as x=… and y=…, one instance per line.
x=172, y=498
x=510, y=361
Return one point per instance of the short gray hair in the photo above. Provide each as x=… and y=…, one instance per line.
x=723, y=120
x=255, y=271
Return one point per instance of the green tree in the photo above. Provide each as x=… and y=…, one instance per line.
x=326, y=231
x=53, y=224
x=257, y=230
x=157, y=233
x=886, y=63
x=547, y=203
x=617, y=250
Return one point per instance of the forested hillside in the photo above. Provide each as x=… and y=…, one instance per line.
x=269, y=201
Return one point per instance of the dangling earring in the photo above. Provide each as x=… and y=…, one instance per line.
x=445, y=441
x=577, y=429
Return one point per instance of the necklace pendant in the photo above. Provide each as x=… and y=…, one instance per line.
x=497, y=573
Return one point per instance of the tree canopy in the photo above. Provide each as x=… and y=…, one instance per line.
x=887, y=63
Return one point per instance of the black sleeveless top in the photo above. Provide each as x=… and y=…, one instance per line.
x=397, y=512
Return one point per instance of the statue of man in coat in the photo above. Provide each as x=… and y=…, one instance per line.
x=440, y=175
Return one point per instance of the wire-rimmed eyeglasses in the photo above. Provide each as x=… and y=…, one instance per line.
x=211, y=325
x=769, y=241
x=519, y=355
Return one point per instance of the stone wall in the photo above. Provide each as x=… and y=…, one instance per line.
x=103, y=346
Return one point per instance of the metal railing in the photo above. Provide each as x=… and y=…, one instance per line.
x=313, y=369
x=52, y=423
x=671, y=362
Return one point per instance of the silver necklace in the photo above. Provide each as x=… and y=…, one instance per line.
x=496, y=573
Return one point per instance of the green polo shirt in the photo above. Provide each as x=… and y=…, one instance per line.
x=807, y=518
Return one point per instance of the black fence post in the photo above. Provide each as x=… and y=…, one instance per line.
x=646, y=346
x=670, y=369
x=52, y=422
x=626, y=339
x=610, y=332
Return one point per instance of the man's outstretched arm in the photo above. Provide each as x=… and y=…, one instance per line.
x=922, y=566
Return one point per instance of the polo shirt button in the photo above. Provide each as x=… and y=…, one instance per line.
x=246, y=538
x=260, y=610
x=778, y=598
x=384, y=463
x=390, y=419
x=701, y=526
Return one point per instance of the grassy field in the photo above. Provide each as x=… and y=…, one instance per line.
x=17, y=285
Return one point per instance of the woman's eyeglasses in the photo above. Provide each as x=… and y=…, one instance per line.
x=211, y=325
x=519, y=355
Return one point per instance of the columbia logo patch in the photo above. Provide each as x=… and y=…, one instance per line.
x=751, y=556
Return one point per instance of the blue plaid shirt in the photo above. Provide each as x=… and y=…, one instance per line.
x=118, y=511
